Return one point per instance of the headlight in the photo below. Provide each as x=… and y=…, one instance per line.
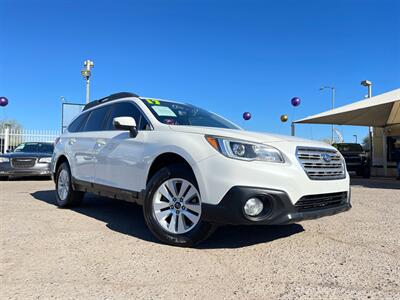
x=245, y=150
x=4, y=159
x=45, y=160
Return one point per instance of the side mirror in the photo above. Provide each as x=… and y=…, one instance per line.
x=126, y=123
x=8, y=151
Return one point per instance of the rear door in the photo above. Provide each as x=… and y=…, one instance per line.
x=82, y=144
x=71, y=145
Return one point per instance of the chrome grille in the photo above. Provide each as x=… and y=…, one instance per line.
x=321, y=164
x=23, y=162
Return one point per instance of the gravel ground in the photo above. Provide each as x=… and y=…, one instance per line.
x=103, y=250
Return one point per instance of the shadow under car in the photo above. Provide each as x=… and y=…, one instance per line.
x=127, y=218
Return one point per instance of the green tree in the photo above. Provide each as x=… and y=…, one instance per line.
x=14, y=125
x=366, y=143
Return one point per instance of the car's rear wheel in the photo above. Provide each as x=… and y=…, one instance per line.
x=172, y=207
x=65, y=195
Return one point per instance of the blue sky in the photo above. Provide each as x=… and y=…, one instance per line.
x=225, y=56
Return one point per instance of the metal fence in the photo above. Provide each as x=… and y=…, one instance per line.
x=10, y=138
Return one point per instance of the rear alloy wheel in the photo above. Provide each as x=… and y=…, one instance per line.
x=172, y=208
x=65, y=195
x=63, y=184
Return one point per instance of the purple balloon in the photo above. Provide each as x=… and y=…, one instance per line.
x=295, y=101
x=246, y=115
x=3, y=101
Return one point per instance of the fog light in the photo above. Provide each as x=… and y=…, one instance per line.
x=253, y=207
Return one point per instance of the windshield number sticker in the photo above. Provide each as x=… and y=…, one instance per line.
x=152, y=102
x=164, y=111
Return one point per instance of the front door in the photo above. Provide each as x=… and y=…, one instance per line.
x=120, y=159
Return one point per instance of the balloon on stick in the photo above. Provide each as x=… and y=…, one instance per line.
x=3, y=101
x=295, y=101
x=246, y=116
x=284, y=118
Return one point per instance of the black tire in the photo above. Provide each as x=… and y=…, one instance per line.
x=360, y=172
x=73, y=198
x=3, y=178
x=201, y=231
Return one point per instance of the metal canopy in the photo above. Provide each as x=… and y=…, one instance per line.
x=379, y=111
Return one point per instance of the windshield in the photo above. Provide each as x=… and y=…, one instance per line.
x=184, y=114
x=35, y=147
x=349, y=147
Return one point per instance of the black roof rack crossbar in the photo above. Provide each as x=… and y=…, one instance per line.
x=109, y=98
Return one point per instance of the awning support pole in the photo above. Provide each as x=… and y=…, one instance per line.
x=371, y=147
x=384, y=150
x=293, y=129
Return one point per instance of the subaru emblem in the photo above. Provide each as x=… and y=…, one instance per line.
x=326, y=157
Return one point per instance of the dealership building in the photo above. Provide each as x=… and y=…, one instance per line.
x=382, y=114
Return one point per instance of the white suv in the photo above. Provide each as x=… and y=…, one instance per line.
x=192, y=169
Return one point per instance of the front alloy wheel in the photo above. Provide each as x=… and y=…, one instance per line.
x=172, y=207
x=177, y=205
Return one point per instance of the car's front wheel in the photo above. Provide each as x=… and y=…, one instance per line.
x=172, y=207
x=65, y=195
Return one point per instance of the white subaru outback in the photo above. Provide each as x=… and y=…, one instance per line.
x=191, y=169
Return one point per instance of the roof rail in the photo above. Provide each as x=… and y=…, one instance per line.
x=109, y=98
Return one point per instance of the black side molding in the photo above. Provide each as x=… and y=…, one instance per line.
x=108, y=191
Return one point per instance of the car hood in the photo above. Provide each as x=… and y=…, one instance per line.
x=26, y=154
x=251, y=136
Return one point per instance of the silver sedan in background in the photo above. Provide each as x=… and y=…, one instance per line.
x=28, y=159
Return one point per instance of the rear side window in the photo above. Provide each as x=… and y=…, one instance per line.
x=126, y=109
x=77, y=123
x=96, y=119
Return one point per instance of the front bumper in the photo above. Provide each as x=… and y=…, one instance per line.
x=39, y=169
x=217, y=174
x=280, y=209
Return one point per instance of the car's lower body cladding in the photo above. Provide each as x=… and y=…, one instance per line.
x=108, y=191
x=279, y=208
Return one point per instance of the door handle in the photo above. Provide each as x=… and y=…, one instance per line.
x=100, y=143
x=72, y=141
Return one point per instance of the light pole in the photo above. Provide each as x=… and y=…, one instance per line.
x=333, y=105
x=356, y=138
x=86, y=73
x=368, y=84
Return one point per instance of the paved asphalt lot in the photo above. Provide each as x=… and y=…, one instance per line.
x=103, y=250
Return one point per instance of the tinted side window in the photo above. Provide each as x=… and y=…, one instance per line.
x=96, y=119
x=126, y=109
x=77, y=123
